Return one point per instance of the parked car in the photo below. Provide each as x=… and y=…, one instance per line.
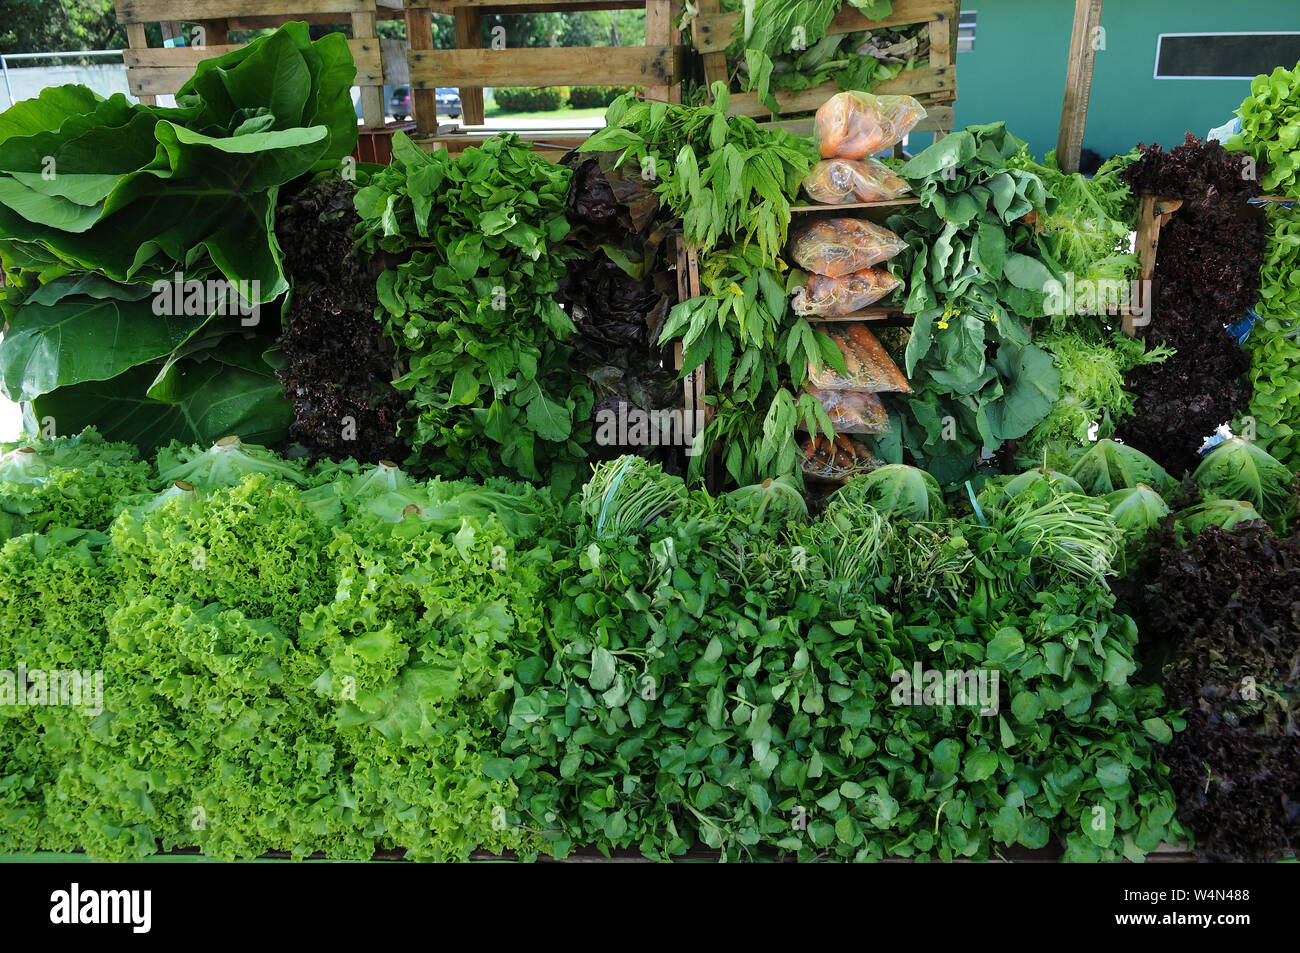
x=449, y=103
x=399, y=105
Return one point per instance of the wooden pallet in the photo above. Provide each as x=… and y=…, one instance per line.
x=934, y=86
x=657, y=65
x=695, y=410
x=154, y=71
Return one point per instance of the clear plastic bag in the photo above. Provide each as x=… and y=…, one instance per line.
x=839, y=181
x=852, y=411
x=848, y=294
x=836, y=460
x=870, y=368
x=835, y=247
x=854, y=125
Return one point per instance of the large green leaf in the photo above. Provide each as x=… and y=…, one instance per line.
x=211, y=400
x=82, y=339
x=1032, y=384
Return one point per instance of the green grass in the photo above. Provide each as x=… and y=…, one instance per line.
x=492, y=111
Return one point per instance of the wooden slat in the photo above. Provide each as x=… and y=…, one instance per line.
x=138, y=39
x=935, y=82
x=216, y=32
x=940, y=41
x=608, y=65
x=271, y=21
x=372, y=95
x=660, y=16
x=194, y=11
x=523, y=6
x=424, y=102
x=1153, y=214
x=716, y=69
x=852, y=205
x=1078, y=84
x=714, y=32
x=156, y=71
x=469, y=36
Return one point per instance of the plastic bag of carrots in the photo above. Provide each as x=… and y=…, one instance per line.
x=869, y=366
x=839, y=181
x=836, y=460
x=855, y=125
x=835, y=247
x=847, y=294
x=852, y=411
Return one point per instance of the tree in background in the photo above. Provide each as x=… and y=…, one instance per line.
x=58, y=26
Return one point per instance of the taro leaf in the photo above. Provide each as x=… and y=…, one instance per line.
x=91, y=286
x=81, y=339
x=300, y=82
x=47, y=111
x=211, y=401
x=1031, y=383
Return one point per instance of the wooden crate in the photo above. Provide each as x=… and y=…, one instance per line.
x=657, y=65
x=934, y=86
x=154, y=71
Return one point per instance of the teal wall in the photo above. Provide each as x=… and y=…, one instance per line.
x=1017, y=70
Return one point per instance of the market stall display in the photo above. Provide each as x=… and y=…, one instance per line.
x=949, y=566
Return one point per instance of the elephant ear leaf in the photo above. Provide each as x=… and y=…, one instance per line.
x=80, y=339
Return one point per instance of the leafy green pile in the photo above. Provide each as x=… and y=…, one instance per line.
x=1270, y=130
x=733, y=684
x=104, y=204
x=293, y=658
x=731, y=184
x=1087, y=220
x=471, y=308
x=1274, y=341
x=1218, y=620
x=1093, y=399
x=977, y=271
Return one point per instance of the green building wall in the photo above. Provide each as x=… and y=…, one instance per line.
x=1016, y=71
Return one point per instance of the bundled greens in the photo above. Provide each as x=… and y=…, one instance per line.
x=1274, y=342
x=1270, y=130
x=707, y=689
x=977, y=270
x=1240, y=470
x=1093, y=399
x=137, y=241
x=471, y=308
x=785, y=45
x=724, y=177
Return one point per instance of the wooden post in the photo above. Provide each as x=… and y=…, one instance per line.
x=1154, y=214
x=469, y=36
x=216, y=32
x=659, y=31
x=424, y=102
x=715, y=64
x=372, y=97
x=138, y=39
x=1078, y=83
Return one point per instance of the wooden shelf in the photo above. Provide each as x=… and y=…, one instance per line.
x=849, y=206
x=868, y=314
